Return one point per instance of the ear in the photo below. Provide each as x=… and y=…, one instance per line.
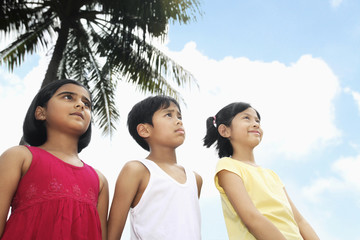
x=143, y=130
x=40, y=113
x=224, y=131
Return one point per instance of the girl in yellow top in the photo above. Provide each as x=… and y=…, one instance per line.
x=254, y=201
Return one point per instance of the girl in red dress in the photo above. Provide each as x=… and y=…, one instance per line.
x=52, y=193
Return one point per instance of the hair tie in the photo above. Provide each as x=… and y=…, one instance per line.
x=214, y=121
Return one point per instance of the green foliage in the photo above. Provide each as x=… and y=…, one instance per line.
x=99, y=42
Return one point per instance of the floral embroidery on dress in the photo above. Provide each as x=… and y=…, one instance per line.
x=92, y=195
x=54, y=186
x=31, y=191
x=76, y=190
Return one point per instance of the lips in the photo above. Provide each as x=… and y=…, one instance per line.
x=181, y=130
x=78, y=114
x=255, y=132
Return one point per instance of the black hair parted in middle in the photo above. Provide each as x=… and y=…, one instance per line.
x=143, y=112
x=224, y=116
x=34, y=131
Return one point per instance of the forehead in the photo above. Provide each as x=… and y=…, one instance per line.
x=248, y=111
x=171, y=107
x=74, y=89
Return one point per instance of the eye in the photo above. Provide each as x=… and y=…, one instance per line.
x=68, y=97
x=87, y=104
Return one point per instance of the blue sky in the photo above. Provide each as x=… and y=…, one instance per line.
x=296, y=62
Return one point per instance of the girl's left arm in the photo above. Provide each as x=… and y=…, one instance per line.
x=103, y=204
x=306, y=231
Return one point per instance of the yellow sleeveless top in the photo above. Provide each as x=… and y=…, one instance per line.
x=267, y=194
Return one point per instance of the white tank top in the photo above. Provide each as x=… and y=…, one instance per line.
x=167, y=210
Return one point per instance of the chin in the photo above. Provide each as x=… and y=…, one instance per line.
x=255, y=143
x=178, y=144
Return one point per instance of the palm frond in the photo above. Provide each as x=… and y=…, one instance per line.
x=141, y=62
x=85, y=68
x=28, y=42
x=104, y=98
x=99, y=42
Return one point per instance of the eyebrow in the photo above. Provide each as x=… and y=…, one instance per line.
x=256, y=117
x=72, y=93
x=171, y=110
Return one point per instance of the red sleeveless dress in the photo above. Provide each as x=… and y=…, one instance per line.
x=55, y=201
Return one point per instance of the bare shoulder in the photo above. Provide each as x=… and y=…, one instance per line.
x=16, y=155
x=134, y=175
x=131, y=183
x=102, y=179
x=135, y=168
x=17, y=151
x=16, y=158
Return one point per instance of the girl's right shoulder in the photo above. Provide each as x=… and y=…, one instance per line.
x=18, y=157
x=21, y=152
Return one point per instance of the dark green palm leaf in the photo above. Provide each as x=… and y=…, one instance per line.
x=99, y=42
x=26, y=43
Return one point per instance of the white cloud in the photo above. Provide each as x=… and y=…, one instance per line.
x=297, y=110
x=348, y=169
x=336, y=3
x=15, y=97
x=347, y=179
x=355, y=95
x=314, y=192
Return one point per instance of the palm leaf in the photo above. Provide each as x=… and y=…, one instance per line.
x=99, y=42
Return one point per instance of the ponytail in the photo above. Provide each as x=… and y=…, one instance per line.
x=224, y=116
x=211, y=132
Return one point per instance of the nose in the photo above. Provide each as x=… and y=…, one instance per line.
x=79, y=104
x=179, y=121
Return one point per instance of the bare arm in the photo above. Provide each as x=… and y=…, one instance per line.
x=258, y=225
x=129, y=187
x=13, y=164
x=306, y=231
x=103, y=204
x=199, y=183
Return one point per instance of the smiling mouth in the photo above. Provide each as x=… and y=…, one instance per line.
x=255, y=132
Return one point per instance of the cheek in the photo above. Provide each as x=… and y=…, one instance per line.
x=88, y=116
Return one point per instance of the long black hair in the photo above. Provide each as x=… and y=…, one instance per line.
x=224, y=116
x=34, y=131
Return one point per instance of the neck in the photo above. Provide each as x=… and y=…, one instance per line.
x=62, y=143
x=162, y=155
x=244, y=154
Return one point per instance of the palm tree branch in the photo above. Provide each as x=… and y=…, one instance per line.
x=17, y=15
x=147, y=57
x=112, y=43
x=26, y=43
x=89, y=70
